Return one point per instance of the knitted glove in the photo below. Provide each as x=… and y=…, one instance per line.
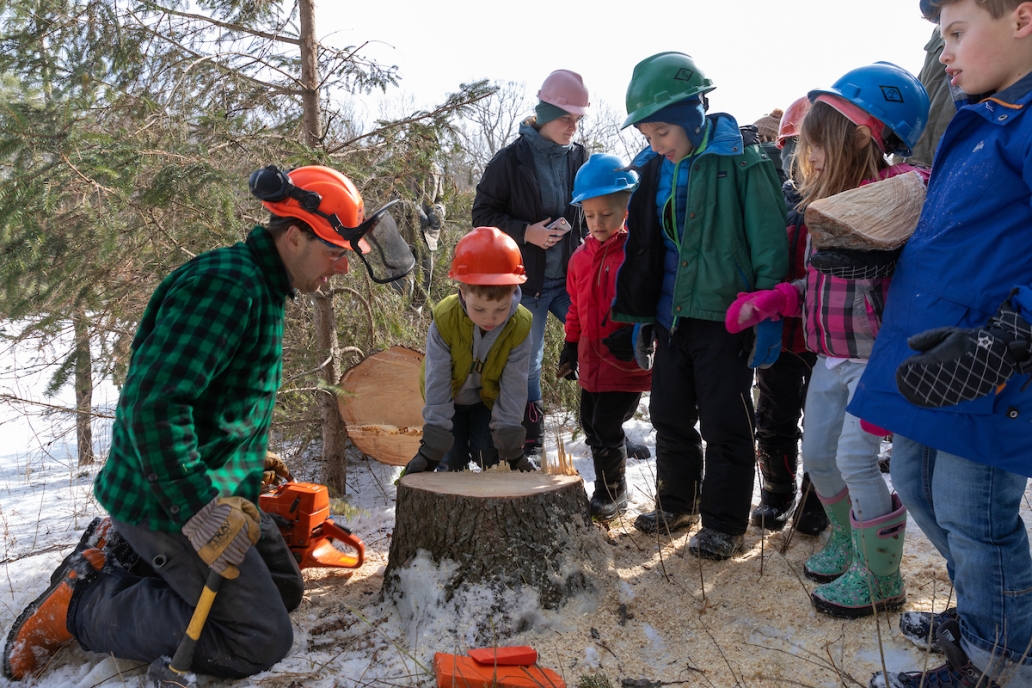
x=508, y=440
x=435, y=444
x=854, y=264
x=621, y=344
x=754, y=307
x=222, y=532
x=958, y=365
x=568, y=362
x=275, y=469
x=644, y=346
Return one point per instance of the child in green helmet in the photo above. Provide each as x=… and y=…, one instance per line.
x=707, y=222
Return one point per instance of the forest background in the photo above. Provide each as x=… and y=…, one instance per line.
x=128, y=129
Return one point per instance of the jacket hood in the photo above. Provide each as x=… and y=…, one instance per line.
x=539, y=144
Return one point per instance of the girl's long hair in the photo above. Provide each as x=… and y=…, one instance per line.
x=845, y=165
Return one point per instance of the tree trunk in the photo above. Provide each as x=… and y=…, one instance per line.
x=333, y=436
x=83, y=388
x=503, y=529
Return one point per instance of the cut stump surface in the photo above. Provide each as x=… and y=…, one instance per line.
x=501, y=528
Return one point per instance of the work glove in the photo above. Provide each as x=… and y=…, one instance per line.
x=275, y=469
x=644, y=346
x=568, y=362
x=766, y=344
x=435, y=444
x=222, y=532
x=752, y=308
x=958, y=365
x=621, y=344
x=854, y=264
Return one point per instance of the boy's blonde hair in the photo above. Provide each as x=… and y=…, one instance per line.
x=845, y=164
x=996, y=8
x=491, y=292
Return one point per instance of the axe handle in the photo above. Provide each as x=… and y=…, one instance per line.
x=183, y=658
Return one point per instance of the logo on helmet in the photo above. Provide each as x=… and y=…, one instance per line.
x=684, y=74
x=892, y=94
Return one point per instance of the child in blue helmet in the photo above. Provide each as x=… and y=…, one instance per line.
x=707, y=222
x=868, y=113
x=949, y=374
x=599, y=351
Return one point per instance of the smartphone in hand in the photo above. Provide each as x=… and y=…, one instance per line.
x=560, y=225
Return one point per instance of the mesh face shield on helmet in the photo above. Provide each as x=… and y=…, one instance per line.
x=319, y=196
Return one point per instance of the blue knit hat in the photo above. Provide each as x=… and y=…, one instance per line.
x=689, y=114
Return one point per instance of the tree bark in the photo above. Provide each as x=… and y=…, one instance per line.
x=83, y=387
x=333, y=436
x=503, y=529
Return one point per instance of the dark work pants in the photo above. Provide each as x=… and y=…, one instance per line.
x=700, y=375
x=782, y=393
x=602, y=415
x=471, y=428
x=144, y=617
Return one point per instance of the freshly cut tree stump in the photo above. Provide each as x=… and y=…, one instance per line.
x=383, y=407
x=501, y=528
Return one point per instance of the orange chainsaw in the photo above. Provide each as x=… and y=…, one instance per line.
x=302, y=512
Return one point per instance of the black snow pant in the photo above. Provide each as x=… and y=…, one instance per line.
x=143, y=617
x=782, y=393
x=602, y=415
x=700, y=375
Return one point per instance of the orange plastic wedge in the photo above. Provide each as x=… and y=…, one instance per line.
x=510, y=655
x=460, y=671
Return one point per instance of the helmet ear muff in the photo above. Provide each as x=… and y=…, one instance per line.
x=273, y=185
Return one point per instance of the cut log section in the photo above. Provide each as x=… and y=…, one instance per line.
x=874, y=217
x=382, y=406
x=501, y=528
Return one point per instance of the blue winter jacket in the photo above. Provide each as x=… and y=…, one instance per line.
x=973, y=244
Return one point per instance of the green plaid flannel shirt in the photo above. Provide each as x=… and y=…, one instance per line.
x=193, y=417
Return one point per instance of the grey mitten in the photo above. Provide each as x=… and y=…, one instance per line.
x=522, y=464
x=644, y=346
x=435, y=444
x=508, y=440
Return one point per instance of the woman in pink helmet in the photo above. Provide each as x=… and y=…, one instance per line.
x=526, y=188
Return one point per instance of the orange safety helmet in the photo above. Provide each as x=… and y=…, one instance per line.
x=487, y=255
x=320, y=196
x=792, y=119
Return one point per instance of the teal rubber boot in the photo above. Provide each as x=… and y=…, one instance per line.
x=879, y=543
x=836, y=556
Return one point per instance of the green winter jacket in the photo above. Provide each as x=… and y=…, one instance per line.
x=733, y=238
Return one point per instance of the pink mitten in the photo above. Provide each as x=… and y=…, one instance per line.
x=873, y=429
x=754, y=307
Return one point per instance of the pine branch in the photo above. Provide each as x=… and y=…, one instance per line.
x=224, y=25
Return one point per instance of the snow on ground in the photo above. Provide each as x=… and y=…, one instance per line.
x=659, y=613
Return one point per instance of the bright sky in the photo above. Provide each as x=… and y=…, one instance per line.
x=761, y=54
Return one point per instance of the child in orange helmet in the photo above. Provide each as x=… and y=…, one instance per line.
x=477, y=360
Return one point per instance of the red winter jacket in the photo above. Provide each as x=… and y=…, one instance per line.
x=591, y=283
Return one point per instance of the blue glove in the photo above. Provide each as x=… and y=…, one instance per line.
x=766, y=343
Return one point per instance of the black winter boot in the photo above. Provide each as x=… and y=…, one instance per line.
x=610, y=496
x=810, y=518
x=609, y=500
x=778, y=492
x=534, y=422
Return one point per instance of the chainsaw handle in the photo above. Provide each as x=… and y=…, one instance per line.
x=335, y=532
